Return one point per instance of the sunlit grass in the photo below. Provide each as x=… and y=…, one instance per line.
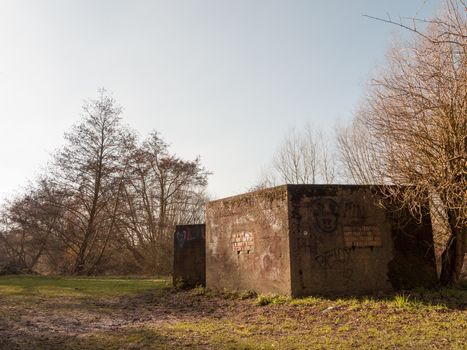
x=308, y=301
x=354, y=330
x=204, y=319
x=274, y=299
x=404, y=302
x=11, y=289
x=77, y=286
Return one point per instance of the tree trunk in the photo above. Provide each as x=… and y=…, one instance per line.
x=452, y=258
x=80, y=261
x=78, y=268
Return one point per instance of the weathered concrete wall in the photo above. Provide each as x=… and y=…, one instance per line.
x=315, y=239
x=247, y=242
x=189, y=255
x=341, y=242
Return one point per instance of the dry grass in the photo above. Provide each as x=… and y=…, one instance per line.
x=119, y=313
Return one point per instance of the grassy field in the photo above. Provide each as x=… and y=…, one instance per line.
x=133, y=313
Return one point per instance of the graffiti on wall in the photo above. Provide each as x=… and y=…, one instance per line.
x=185, y=234
x=329, y=214
x=336, y=262
x=269, y=266
x=354, y=213
x=332, y=257
x=180, y=236
x=344, y=225
x=326, y=214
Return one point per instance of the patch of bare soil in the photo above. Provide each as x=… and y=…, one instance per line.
x=47, y=323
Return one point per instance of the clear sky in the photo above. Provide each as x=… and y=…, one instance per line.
x=221, y=79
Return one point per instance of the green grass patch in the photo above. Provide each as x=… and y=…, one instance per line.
x=352, y=331
x=404, y=302
x=224, y=294
x=132, y=313
x=273, y=299
x=308, y=301
x=222, y=335
x=78, y=286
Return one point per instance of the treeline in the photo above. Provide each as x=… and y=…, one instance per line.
x=108, y=202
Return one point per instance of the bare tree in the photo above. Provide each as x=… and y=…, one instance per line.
x=109, y=203
x=305, y=157
x=358, y=159
x=89, y=173
x=161, y=191
x=328, y=158
x=412, y=127
x=30, y=224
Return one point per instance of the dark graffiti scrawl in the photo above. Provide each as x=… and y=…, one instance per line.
x=181, y=237
x=333, y=257
x=185, y=234
x=337, y=262
x=326, y=213
x=354, y=213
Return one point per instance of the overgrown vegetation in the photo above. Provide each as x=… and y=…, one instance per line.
x=107, y=203
x=123, y=313
x=411, y=129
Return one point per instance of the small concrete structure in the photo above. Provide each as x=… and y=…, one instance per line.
x=189, y=269
x=315, y=239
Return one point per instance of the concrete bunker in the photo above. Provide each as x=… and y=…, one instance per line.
x=315, y=239
x=189, y=268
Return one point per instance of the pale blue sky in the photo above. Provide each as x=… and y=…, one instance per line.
x=221, y=79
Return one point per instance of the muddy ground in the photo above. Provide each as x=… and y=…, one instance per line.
x=176, y=319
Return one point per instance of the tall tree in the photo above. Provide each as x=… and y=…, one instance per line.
x=161, y=191
x=109, y=202
x=30, y=224
x=89, y=173
x=412, y=127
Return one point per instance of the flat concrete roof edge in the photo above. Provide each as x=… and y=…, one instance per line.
x=238, y=196
x=287, y=186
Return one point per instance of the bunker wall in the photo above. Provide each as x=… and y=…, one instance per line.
x=189, y=267
x=247, y=245
x=342, y=242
